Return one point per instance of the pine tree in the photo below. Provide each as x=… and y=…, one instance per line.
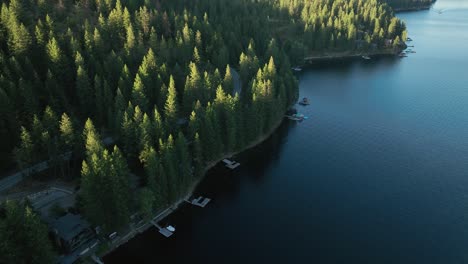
x=158, y=125
x=228, y=82
x=93, y=144
x=84, y=91
x=147, y=73
x=67, y=133
x=24, y=237
x=50, y=121
x=146, y=134
x=170, y=108
x=154, y=174
x=125, y=82
x=192, y=87
x=24, y=154
x=19, y=40
x=138, y=94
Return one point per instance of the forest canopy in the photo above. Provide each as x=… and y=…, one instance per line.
x=159, y=78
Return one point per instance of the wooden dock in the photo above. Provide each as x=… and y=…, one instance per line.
x=231, y=164
x=162, y=231
x=200, y=201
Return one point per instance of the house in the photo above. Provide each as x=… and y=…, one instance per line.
x=71, y=231
x=388, y=43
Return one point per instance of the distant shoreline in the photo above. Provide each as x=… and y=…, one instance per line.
x=349, y=55
x=411, y=9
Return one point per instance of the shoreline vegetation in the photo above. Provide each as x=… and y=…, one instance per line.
x=349, y=54
x=411, y=9
x=170, y=209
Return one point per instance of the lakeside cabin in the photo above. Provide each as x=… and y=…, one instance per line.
x=71, y=232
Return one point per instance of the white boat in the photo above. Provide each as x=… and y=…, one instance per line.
x=298, y=69
x=366, y=57
x=170, y=228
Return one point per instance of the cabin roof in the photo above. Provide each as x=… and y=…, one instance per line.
x=69, y=226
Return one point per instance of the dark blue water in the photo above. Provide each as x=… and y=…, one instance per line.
x=378, y=174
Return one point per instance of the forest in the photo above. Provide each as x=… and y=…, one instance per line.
x=156, y=79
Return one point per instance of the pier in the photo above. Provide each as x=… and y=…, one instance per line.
x=231, y=164
x=200, y=201
x=163, y=231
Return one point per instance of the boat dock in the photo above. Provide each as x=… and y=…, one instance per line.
x=231, y=164
x=200, y=201
x=163, y=231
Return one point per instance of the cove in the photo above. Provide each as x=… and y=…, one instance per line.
x=377, y=174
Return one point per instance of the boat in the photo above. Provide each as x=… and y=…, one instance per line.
x=170, y=228
x=409, y=39
x=366, y=57
x=297, y=69
x=304, y=101
x=296, y=117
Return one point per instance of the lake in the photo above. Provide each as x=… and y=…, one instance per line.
x=377, y=174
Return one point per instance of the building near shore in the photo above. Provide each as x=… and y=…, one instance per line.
x=71, y=231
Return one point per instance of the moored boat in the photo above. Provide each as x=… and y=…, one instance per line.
x=304, y=101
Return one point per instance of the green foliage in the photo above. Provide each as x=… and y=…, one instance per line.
x=170, y=108
x=139, y=68
x=24, y=154
x=105, y=184
x=146, y=202
x=24, y=238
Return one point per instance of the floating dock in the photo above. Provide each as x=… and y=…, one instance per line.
x=231, y=164
x=162, y=231
x=200, y=201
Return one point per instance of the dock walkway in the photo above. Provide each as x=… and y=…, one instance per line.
x=231, y=164
x=200, y=201
x=162, y=231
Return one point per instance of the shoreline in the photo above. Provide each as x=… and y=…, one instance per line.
x=349, y=55
x=411, y=9
x=167, y=211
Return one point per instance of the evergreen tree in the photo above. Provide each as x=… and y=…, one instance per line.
x=184, y=164
x=170, y=108
x=228, y=82
x=197, y=156
x=138, y=94
x=24, y=237
x=92, y=139
x=84, y=91
x=24, y=154
x=67, y=133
